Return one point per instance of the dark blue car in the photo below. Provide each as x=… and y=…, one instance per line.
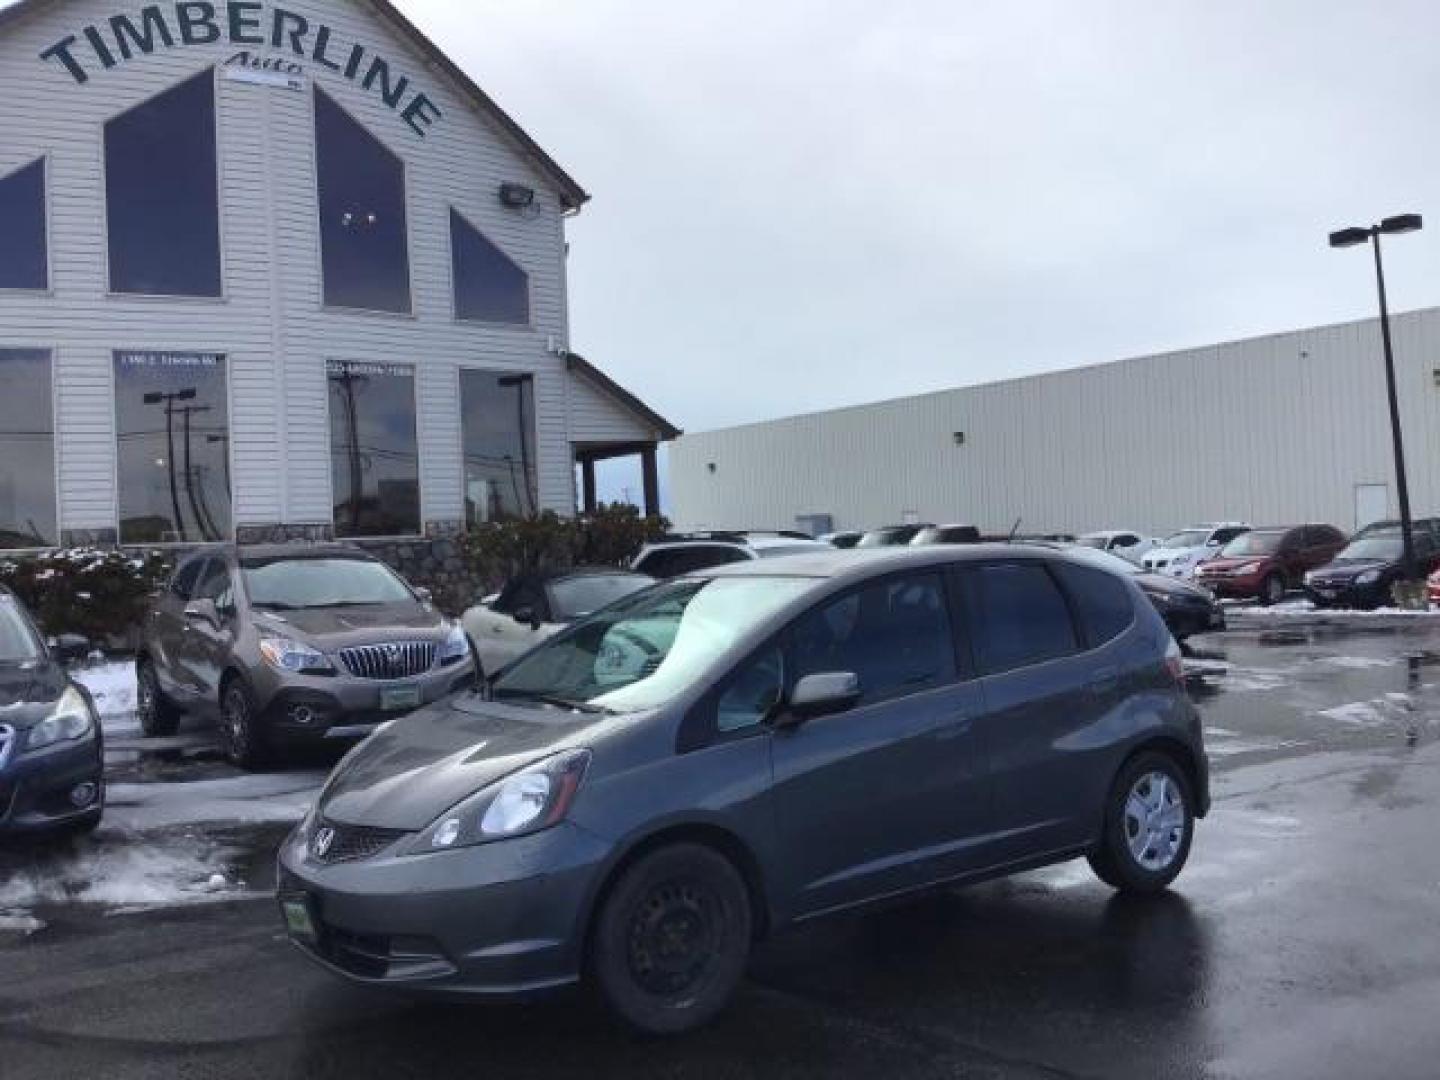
x=51, y=757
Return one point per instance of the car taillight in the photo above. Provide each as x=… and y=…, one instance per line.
x=1175, y=664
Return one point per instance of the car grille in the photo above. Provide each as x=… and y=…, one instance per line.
x=349, y=843
x=8, y=738
x=395, y=660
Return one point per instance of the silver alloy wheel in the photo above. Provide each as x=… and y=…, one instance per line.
x=1155, y=821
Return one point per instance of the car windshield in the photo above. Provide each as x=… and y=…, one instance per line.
x=1253, y=543
x=1378, y=545
x=888, y=537
x=1103, y=559
x=771, y=551
x=1187, y=539
x=1100, y=542
x=576, y=597
x=648, y=648
x=295, y=584
x=18, y=643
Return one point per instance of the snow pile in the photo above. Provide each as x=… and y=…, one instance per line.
x=121, y=872
x=112, y=685
x=259, y=799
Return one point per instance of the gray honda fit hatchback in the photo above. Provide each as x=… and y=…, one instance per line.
x=639, y=799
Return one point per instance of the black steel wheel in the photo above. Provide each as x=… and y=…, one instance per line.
x=672, y=938
x=158, y=716
x=240, y=736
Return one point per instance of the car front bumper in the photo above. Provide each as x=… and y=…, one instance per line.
x=36, y=789
x=1231, y=586
x=297, y=709
x=1186, y=620
x=500, y=920
x=1348, y=594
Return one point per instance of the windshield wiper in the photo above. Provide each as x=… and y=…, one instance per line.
x=552, y=699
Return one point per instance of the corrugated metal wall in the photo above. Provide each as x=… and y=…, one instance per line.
x=1273, y=429
x=271, y=323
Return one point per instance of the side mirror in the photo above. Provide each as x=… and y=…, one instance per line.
x=203, y=611
x=425, y=595
x=823, y=694
x=69, y=648
x=527, y=616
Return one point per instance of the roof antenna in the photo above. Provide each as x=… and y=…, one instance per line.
x=1013, y=530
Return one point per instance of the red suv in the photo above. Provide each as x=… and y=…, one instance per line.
x=1266, y=563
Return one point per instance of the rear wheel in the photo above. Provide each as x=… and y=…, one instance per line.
x=158, y=716
x=672, y=938
x=1272, y=590
x=240, y=736
x=1149, y=823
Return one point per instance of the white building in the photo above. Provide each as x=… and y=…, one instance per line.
x=277, y=269
x=1286, y=428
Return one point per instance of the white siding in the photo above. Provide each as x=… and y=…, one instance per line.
x=1274, y=429
x=271, y=323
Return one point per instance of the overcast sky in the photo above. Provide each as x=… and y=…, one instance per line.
x=805, y=204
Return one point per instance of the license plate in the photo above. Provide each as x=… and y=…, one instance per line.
x=399, y=697
x=298, y=919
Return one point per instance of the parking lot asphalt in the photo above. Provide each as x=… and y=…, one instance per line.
x=1300, y=942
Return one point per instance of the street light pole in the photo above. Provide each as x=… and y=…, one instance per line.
x=1401, y=223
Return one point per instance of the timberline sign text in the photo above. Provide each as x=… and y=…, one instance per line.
x=246, y=24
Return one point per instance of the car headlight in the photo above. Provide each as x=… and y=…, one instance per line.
x=70, y=721
x=1248, y=568
x=524, y=802
x=293, y=656
x=1369, y=577
x=455, y=647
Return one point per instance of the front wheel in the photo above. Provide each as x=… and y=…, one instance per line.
x=671, y=939
x=1272, y=590
x=240, y=736
x=1149, y=823
x=158, y=717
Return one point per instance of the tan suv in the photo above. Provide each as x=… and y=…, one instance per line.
x=291, y=645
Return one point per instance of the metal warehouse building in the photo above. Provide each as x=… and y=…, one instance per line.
x=278, y=271
x=1285, y=428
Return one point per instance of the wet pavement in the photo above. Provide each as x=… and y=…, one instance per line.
x=1303, y=940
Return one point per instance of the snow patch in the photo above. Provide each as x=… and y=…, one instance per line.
x=112, y=685
x=1374, y=713
x=20, y=922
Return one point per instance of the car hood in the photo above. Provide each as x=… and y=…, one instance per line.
x=1171, y=553
x=1171, y=588
x=28, y=691
x=1230, y=562
x=332, y=628
x=414, y=769
x=1345, y=569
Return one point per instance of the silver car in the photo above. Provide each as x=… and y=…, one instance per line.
x=292, y=645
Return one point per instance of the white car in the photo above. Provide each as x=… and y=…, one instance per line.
x=683, y=554
x=535, y=607
x=1180, y=554
x=1127, y=543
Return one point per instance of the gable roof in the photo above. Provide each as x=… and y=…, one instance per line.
x=583, y=369
x=572, y=195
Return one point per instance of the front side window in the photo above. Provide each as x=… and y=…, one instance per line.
x=374, y=451
x=649, y=648
x=750, y=696
x=364, y=239
x=24, y=259
x=497, y=425
x=27, y=450
x=489, y=285
x=161, y=196
x=172, y=424
x=18, y=641
x=1021, y=617
x=894, y=635
x=289, y=584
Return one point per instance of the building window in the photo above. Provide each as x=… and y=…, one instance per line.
x=363, y=239
x=374, y=452
x=27, y=450
x=172, y=423
x=489, y=286
x=24, y=263
x=497, y=414
x=161, y=196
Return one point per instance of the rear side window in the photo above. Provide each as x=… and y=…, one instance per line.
x=672, y=562
x=183, y=584
x=1101, y=601
x=1224, y=536
x=1021, y=617
x=894, y=635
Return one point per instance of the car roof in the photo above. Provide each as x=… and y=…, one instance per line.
x=271, y=552
x=862, y=563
